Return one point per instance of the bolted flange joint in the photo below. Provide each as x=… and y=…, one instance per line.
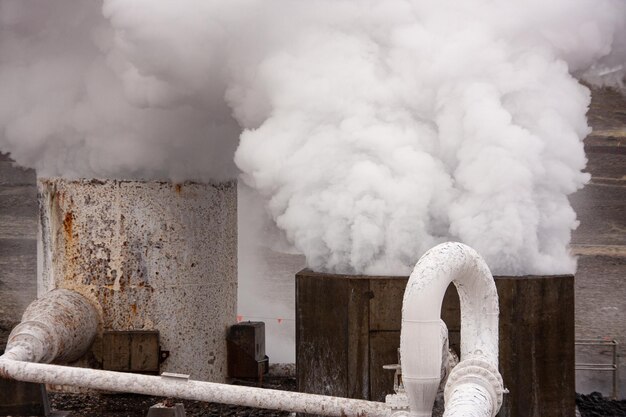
x=477, y=370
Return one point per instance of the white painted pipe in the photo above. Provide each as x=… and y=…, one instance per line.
x=62, y=324
x=469, y=400
x=475, y=383
x=190, y=390
x=59, y=326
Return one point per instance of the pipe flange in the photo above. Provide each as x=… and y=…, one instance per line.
x=478, y=371
x=42, y=340
x=398, y=401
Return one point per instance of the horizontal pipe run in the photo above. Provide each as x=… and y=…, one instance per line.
x=604, y=365
x=611, y=368
x=592, y=342
x=190, y=390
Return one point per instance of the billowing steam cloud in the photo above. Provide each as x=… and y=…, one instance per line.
x=120, y=89
x=395, y=125
x=374, y=129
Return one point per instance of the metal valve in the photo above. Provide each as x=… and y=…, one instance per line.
x=397, y=378
x=398, y=401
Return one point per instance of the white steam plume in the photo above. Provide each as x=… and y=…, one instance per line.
x=120, y=89
x=391, y=126
x=374, y=129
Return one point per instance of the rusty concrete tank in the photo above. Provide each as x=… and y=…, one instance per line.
x=153, y=255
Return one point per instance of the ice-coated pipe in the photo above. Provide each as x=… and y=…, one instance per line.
x=190, y=390
x=62, y=324
x=470, y=400
x=475, y=383
x=59, y=326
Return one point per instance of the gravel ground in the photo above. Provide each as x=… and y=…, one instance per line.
x=128, y=405
x=594, y=405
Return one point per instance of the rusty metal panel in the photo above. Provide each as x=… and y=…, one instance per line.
x=383, y=351
x=131, y=351
x=321, y=334
x=333, y=348
x=144, y=352
x=386, y=295
x=358, y=338
x=116, y=351
x=246, y=350
x=250, y=337
x=536, y=343
x=240, y=365
x=23, y=399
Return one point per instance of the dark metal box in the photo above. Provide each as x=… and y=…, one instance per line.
x=246, y=350
x=131, y=351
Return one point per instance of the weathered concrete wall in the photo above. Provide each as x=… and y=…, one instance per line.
x=601, y=241
x=154, y=256
x=600, y=307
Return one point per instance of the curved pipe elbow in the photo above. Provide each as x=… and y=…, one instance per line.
x=420, y=344
x=471, y=400
x=59, y=326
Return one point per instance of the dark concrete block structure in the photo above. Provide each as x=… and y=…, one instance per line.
x=348, y=327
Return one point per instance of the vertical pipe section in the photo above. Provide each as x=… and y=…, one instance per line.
x=420, y=342
x=59, y=326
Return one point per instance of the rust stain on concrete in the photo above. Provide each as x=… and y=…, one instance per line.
x=139, y=250
x=67, y=225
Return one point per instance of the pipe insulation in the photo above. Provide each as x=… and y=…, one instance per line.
x=190, y=389
x=60, y=326
x=468, y=401
x=475, y=383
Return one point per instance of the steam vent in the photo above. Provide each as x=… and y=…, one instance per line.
x=155, y=256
